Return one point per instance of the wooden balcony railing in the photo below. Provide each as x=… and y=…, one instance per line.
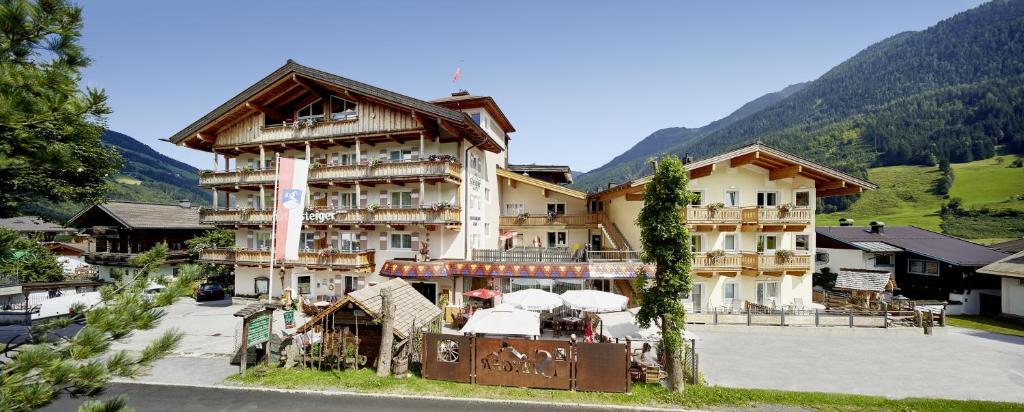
x=729, y=261
x=770, y=262
x=337, y=172
x=774, y=215
x=236, y=177
x=423, y=215
x=326, y=257
x=585, y=220
x=121, y=259
x=703, y=214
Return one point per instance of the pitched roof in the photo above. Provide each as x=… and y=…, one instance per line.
x=1010, y=266
x=291, y=67
x=32, y=224
x=460, y=100
x=1012, y=246
x=540, y=183
x=411, y=308
x=770, y=158
x=139, y=215
x=861, y=279
x=553, y=170
x=876, y=247
x=916, y=240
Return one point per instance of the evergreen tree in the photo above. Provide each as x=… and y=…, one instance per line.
x=27, y=258
x=49, y=129
x=666, y=243
x=45, y=363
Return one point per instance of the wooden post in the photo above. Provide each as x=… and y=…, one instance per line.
x=387, y=333
x=270, y=336
x=245, y=348
x=851, y=318
x=817, y=318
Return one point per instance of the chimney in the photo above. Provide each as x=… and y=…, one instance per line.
x=845, y=222
x=460, y=92
x=185, y=203
x=686, y=158
x=878, y=227
x=610, y=184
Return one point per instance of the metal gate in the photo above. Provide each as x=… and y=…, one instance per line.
x=448, y=357
x=602, y=367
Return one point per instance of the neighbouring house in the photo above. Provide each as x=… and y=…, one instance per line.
x=35, y=227
x=18, y=300
x=927, y=265
x=866, y=283
x=121, y=230
x=71, y=257
x=559, y=175
x=1012, y=246
x=1011, y=271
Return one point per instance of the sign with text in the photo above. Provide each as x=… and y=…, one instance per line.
x=257, y=329
x=289, y=318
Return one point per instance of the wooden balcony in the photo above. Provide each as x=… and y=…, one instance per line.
x=369, y=173
x=770, y=264
x=122, y=259
x=705, y=265
x=705, y=219
x=329, y=259
x=587, y=220
x=772, y=218
x=332, y=216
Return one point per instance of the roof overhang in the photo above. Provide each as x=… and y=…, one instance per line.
x=540, y=183
x=473, y=102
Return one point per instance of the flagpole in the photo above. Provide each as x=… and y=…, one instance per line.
x=273, y=231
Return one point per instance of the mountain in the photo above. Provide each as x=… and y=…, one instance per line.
x=952, y=92
x=145, y=176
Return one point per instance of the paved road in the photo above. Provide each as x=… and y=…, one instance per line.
x=147, y=398
x=954, y=363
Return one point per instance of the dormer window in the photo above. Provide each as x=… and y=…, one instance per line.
x=314, y=111
x=342, y=109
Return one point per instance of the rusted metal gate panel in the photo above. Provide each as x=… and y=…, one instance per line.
x=602, y=367
x=447, y=357
x=523, y=363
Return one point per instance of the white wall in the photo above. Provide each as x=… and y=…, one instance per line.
x=1013, y=296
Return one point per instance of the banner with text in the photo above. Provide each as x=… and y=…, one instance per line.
x=291, y=201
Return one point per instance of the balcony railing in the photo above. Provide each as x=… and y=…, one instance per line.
x=121, y=259
x=326, y=257
x=553, y=254
x=774, y=215
x=704, y=214
x=335, y=216
x=726, y=262
x=372, y=171
x=770, y=262
x=587, y=219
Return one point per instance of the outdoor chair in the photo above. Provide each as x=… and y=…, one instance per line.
x=556, y=328
x=737, y=306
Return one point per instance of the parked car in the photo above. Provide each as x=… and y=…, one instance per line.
x=209, y=291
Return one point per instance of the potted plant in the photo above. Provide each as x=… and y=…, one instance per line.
x=785, y=208
x=376, y=162
x=715, y=256
x=783, y=255
x=373, y=207
x=713, y=208
x=522, y=217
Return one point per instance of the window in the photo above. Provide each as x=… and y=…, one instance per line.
x=732, y=198
x=262, y=285
x=696, y=296
x=556, y=208
x=263, y=240
x=696, y=243
x=821, y=257
x=303, y=284
x=348, y=242
x=475, y=117
x=307, y=240
x=923, y=267
x=698, y=198
x=514, y=209
x=767, y=199
x=487, y=228
x=351, y=283
x=767, y=243
x=768, y=293
x=401, y=241
x=557, y=239
x=313, y=111
x=401, y=199
x=729, y=242
x=802, y=198
x=487, y=194
x=729, y=290
x=343, y=159
x=803, y=243
x=342, y=109
x=475, y=163
x=347, y=200
x=398, y=155
x=887, y=259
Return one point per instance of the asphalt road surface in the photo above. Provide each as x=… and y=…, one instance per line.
x=146, y=397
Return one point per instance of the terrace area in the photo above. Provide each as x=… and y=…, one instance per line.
x=432, y=169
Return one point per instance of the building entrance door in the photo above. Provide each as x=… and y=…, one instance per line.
x=428, y=290
x=595, y=242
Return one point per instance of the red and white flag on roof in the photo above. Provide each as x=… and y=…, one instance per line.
x=457, y=75
x=291, y=202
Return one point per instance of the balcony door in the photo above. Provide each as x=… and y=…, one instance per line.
x=767, y=199
x=514, y=209
x=768, y=293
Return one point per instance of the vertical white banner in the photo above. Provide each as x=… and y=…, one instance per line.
x=291, y=203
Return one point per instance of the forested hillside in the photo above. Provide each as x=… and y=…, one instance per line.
x=146, y=176
x=951, y=92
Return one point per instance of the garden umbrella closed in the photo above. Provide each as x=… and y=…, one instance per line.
x=594, y=301
x=483, y=293
x=504, y=319
x=533, y=299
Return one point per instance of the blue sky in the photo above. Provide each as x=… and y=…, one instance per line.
x=581, y=82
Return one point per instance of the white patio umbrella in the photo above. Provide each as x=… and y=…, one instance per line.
x=594, y=301
x=533, y=299
x=503, y=319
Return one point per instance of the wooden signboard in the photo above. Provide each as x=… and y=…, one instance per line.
x=257, y=329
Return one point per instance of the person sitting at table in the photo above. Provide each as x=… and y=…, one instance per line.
x=647, y=356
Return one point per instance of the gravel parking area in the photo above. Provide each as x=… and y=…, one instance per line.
x=954, y=363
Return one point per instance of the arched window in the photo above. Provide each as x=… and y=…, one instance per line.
x=342, y=109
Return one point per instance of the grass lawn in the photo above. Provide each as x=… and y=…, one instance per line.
x=366, y=380
x=904, y=197
x=989, y=183
x=986, y=324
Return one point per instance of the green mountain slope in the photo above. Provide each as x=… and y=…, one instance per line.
x=146, y=176
x=950, y=92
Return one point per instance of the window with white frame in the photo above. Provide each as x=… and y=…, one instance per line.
x=475, y=117
x=514, y=209
x=696, y=243
x=698, y=198
x=732, y=198
x=557, y=239
x=885, y=259
x=802, y=198
x=923, y=267
x=312, y=111
x=401, y=199
x=729, y=290
x=487, y=194
x=557, y=208
x=400, y=241
x=347, y=200
x=729, y=242
x=768, y=293
x=342, y=109
x=348, y=242
x=767, y=199
x=307, y=240
x=398, y=155
x=343, y=158
x=262, y=241
x=767, y=243
x=802, y=243
x=351, y=283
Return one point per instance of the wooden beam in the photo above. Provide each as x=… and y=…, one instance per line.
x=547, y=193
x=744, y=159
x=273, y=114
x=634, y=197
x=838, y=184
x=702, y=171
x=448, y=128
x=785, y=172
x=311, y=86
x=840, y=192
x=206, y=138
